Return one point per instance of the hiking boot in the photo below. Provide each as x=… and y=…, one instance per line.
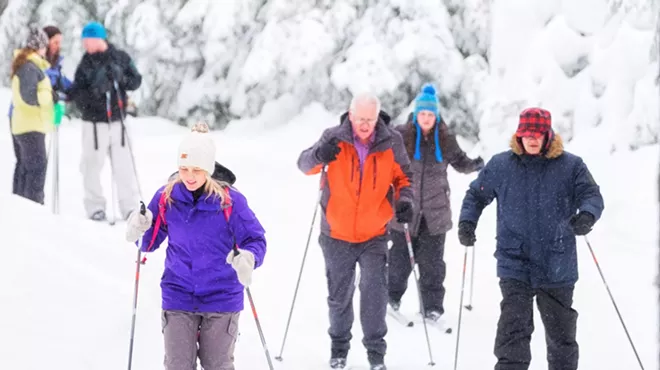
x=98, y=216
x=338, y=363
x=376, y=360
x=338, y=359
x=433, y=316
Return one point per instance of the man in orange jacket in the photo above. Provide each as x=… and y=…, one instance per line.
x=367, y=183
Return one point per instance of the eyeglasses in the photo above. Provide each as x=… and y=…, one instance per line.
x=362, y=120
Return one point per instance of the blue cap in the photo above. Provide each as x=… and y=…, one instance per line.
x=94, y=30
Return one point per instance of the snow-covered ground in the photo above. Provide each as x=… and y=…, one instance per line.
x=66, y=283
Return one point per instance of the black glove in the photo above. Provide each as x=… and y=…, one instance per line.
x=466, y=233
x=115, y=73
x=582, y=223
x=327, y=152
x=478, y=164
x=404, y=211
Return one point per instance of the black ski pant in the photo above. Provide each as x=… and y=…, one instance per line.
x=429, y=253
x=340, y=260
x=17, y=183
x=515, y=327
x=31, y=165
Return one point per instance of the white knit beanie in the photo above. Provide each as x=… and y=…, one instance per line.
x=197, y=149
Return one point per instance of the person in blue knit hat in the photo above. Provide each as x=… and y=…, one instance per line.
x=99, y=91
x=431, y=148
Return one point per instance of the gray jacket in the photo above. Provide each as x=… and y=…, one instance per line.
x=430, y=184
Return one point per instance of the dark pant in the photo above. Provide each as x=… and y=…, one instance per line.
x=515, y=327
x=31, y=166
x=340, y=261
x=429, y=251
x=18, y=175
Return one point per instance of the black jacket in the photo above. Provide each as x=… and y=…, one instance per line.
x=95, y=76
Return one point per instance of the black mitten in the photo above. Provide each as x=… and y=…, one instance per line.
x=466, y=233
x=582, y=223
x=404, y=212
x=327, y=152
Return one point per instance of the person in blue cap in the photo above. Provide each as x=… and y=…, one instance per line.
x=432, y=148
x=102, y=78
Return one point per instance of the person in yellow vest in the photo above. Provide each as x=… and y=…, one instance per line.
x=32, y=117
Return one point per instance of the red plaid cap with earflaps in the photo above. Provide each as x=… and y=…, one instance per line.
x=534, y=122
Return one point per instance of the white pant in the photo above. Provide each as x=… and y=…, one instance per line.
x=109, y=139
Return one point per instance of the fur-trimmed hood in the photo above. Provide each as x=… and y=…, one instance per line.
x=556, y=147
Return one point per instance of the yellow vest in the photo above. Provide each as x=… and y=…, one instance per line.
x=32, y=97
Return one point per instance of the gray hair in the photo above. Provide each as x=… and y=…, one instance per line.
x=365, y=98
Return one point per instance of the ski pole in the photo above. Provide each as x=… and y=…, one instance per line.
x=56, y=169
x=108, y=112
x=419, y=291
x=469, y=305
x=602, y=276
x=143, y=211
x=124, y=135
x=59, y=111
x=460, y=310
x=302, y=265
x=256, y=320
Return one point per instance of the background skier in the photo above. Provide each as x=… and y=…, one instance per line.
x=432, y=148
x=101, y=66
x=203, y=281
x=364, y=157
x=31, y=116
x=539, y=188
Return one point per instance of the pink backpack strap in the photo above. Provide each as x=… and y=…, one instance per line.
x=226, y=209
x=162, y=203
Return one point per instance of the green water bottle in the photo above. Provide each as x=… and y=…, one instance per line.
x=60, y=110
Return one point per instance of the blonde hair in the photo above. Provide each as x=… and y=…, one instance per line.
x=212, y=187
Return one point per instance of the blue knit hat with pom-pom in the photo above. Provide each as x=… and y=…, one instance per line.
x=427, y=100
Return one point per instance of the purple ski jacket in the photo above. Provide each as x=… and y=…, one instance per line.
x=197, y=277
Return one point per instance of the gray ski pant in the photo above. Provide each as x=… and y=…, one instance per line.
x=100, y=140
x=217, y=338
x=340, y=260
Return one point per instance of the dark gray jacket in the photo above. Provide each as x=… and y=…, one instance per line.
x=430, y=184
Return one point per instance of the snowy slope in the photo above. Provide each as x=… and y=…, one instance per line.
x=66, y=283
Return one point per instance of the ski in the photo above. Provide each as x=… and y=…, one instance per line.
x=399, y=317
x=440, y=324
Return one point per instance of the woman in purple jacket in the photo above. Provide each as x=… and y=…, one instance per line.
x=203, y=281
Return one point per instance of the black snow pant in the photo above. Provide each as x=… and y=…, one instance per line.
x=429, y=253
x=31, y=166
x=515, y=327
x=340, y=260
x=17, y=183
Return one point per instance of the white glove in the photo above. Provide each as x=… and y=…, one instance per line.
x=137, y=224
x=243, y=263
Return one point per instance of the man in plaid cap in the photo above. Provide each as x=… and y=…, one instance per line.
x=545, y=197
